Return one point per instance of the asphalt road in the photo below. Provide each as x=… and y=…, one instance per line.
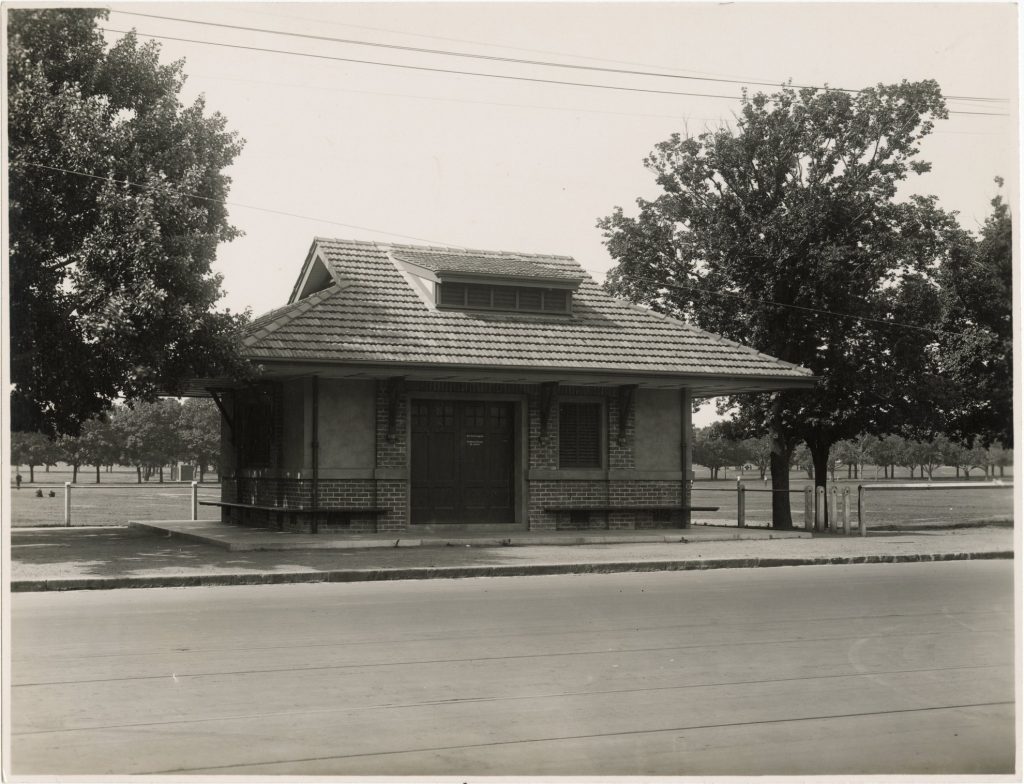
x=808, y=670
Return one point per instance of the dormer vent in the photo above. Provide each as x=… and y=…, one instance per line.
x=493, y=282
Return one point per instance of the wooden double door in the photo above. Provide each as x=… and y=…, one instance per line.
x=462, y=462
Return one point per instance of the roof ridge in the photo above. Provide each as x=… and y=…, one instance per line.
x=444, y=248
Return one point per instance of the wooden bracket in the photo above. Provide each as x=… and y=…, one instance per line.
x=224, y=413
x=395, y=387
x=626, y=394
x=548, y=389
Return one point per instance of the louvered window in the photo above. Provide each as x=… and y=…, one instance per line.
x=579, y=435
x=529, y=299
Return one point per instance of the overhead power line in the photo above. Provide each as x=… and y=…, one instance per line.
x=502, y=59
x=430, y=69
x=143, y=186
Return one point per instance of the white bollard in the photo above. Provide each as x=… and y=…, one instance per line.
x=67, y=504
x=808, y=508
x=819, y=509
x=833, y=517
x=195, y=500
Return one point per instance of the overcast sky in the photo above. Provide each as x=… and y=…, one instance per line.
x=516, y=165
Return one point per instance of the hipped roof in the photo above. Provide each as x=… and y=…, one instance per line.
x=370, y=314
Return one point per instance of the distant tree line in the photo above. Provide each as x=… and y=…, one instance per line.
x=148, y=436
x=717, y=446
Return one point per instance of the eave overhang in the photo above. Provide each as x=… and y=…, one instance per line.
x=699, y=384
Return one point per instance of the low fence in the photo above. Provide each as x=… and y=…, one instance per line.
x=833, y=509
x=69, y=504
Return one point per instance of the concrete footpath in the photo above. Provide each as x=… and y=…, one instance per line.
x=119, y=557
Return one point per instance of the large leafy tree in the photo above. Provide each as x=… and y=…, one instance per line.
x=111, y=288
x=199, y=429
x=762, y=229
x=977, y=341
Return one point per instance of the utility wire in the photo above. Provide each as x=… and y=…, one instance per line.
x=457, y=72
x=421, y=67
x=143, y=186
x=451, y=245
x=577, y=56
x=469, y=101
x=571, y=109
x=499, y=58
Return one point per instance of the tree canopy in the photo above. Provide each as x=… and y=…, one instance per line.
x=762, y=230
x=976, y=347
x=116, y=209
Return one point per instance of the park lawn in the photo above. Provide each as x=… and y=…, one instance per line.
x=119, y=499
x=899, y=508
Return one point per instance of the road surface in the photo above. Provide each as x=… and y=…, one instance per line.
x=809, y=670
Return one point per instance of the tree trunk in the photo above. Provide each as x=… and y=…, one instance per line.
x=778, y=464
x=202, y=473
x=97, y=473
x=819, y=455
x=31, y=473
x=74, y=473
x=1002, y=472
x=849, y=470
x=138, y=473
x=161, y=474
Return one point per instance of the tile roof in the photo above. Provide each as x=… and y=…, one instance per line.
x=486, y=263
x=377, y=317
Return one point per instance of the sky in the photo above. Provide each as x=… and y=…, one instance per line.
x=377, y=152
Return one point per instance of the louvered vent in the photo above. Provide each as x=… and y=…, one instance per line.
x=579, y=435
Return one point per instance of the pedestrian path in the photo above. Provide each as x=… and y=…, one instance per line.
x=239, y=538
x=122, y=557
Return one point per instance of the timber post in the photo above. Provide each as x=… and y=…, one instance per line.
x=741, y=504
x=846, y=511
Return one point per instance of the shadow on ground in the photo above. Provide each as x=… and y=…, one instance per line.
x=127, y=552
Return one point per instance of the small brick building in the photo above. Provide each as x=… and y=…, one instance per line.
x=409, y=387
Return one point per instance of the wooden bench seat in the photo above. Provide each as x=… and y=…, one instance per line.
x=585, y=508
x=371, y=510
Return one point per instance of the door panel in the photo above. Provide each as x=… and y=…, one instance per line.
x=462, y=462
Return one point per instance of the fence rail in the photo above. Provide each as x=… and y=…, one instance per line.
x=830, y=509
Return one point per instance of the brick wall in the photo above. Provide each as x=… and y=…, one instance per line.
x=391, y=491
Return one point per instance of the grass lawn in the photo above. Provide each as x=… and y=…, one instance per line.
x=119, y=499
x=115, y=501
x=900, y=508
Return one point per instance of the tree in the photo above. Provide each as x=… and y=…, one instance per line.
x=149, y=434
x=886, y=452
x=712, y=449
x=977, y=342
x=760, y=229
x=1001, y=457
x=32, y=449
x=116, y=209
x=100, y=444
x=199, y=431
x=759, y=452
x=931, y=454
